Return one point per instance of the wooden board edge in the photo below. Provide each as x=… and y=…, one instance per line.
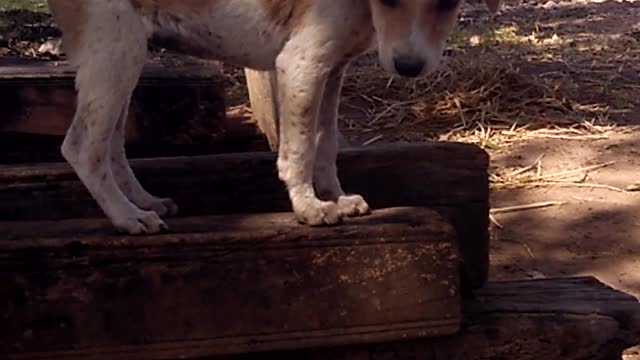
x=258, y=343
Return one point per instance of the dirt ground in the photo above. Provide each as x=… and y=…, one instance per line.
x=551, y=89
x=596, y=230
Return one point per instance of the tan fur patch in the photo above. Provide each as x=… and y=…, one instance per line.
x=71, y=17
x=152, y=8
x=439, y=25
x=399, y=21
x=288, y=14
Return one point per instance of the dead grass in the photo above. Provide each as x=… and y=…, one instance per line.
x=533, y=176
x=486, y=101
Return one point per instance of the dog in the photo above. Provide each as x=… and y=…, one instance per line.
x=308, y=43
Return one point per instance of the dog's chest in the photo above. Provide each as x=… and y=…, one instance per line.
x=236, y=32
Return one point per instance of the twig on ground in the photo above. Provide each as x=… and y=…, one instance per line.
x=495, y=222
x=576, y=171
x=527, y=168
x=526, y=247
x=373, y=140
x=534, y=206
x=575, y=184
x=566, y=137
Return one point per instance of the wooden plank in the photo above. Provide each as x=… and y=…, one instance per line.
x=552, y=319
x=430, y=173
x=564, y=318
x=263, y=95
x=21, y=148
x=21, y=69
x=223, y=285
x=448, y=177
x=179, y=104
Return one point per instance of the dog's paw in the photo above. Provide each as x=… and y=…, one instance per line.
x=352, y=205
x=140, y=222
x=163, y=207
x=316, y=212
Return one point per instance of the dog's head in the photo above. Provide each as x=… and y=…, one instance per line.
x=411, y=34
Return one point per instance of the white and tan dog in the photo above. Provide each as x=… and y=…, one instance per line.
x=308, y=42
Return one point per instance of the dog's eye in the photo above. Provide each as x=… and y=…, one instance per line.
x=446, y=5
x=390, y=3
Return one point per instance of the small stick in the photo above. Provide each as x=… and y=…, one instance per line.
x=460, y=111
x=539, y=169
x=577, y=171
x=526, y=247
x=495, y=222
x=563, y=137
x=534, y=206
x=390, y=82
x=584, y=185
x=563, y=184
x=527, y=168
x=372, y=140
x=381, y=115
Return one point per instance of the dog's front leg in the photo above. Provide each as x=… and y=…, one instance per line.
x=325, y=174
x=302, y=74
x=126, y=179
x=110, y=59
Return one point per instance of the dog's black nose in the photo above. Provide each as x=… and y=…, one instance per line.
x=408, y=66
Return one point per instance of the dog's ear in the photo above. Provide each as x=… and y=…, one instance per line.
x=493, y=5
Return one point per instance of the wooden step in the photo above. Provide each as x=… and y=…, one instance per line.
x=550, y=319
x=450, y=178
x=179, y=103
x=224, y=285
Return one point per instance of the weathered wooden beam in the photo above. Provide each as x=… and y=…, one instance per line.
x=263, y=95
x=222, y=285
x=23, y=148
x=550, y=319
x=179, y=104
x=448, y=177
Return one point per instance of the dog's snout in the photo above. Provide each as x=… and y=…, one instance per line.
x=409, y=66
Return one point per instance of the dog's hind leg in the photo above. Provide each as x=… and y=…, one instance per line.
x=325, y=174
x=110, y=59
x=127, y=180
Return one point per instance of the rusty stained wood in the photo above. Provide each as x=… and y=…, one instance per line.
x=224, y=285
x=183, y=103
x=450, y=178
